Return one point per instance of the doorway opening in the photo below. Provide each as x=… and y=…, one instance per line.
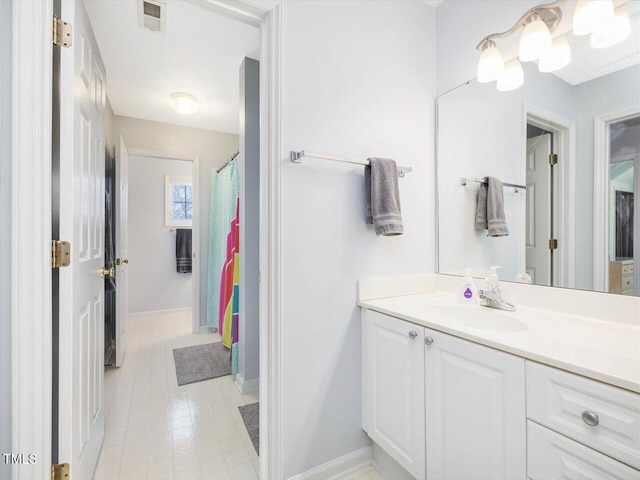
x=549, y=164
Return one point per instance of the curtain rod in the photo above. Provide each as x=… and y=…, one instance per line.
x=228, y=162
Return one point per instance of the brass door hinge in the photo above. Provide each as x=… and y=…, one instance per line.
x=60, y=254
x=553, y=244
x=60, y=471
x=61, y=33
x=553, y=159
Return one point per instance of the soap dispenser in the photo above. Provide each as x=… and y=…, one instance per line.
x=493, y=282
x=468, y=290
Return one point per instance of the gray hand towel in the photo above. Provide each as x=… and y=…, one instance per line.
x=490, y=209
x=183, y=250
x=382, y=196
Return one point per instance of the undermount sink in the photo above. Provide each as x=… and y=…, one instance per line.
x=482, y=318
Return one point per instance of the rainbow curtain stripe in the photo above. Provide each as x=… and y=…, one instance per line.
x=230, y=291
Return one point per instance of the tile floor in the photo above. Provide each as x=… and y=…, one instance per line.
x=155, y=429
x=368, y=473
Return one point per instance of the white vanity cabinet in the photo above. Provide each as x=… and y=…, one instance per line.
x=442, y=407
x=393, y=388
x=475, y=411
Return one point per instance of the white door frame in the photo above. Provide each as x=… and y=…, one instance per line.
x=31, y=335
x=601, y=159
x=564, y=145
x=195, y=227
x=31, y=314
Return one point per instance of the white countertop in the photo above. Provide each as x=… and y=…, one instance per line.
x=602, y=350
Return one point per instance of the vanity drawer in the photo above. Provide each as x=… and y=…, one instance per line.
x=600, y=416
x=627, y=269
x=627, y=282
x=551, y=456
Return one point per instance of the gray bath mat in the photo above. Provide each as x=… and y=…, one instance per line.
x=201, y=362
x=251, y=417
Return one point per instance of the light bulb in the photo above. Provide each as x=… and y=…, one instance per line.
x=535, y=40
x=513, y=76
x=557, y=57
x=491, y=63
x=184, y=103
x=589, y=14
x=612, y=31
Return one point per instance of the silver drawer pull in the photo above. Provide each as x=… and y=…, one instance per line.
x=590, y=418
x=428, y=340
x=412, y=334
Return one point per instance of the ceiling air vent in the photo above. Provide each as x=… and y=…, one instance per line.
x=151, y=15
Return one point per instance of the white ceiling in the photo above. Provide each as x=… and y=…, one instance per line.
x=200, y=53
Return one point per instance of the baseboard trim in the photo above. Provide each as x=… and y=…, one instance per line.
x=207, y=329
x=338, y=468
x=246, y=386
x=159, y=312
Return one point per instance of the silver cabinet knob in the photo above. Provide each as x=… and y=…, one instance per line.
x=590, y=418
x=428, y=340
x=413, y=334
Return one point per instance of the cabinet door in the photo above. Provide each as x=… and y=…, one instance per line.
x=393, y=388
x=475, y=411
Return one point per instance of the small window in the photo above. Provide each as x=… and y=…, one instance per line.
x=178, y=201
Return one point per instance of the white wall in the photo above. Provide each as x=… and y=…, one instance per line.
x=358, y=80
x=249, y=162
x=154, y=283
x=5, y=234
x=481, y=133
x=213, y=148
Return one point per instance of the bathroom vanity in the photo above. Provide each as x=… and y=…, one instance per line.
x=456, y=391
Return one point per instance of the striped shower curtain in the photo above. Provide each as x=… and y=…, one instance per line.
x=224, y=258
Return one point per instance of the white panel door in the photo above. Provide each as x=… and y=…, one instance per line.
x=82, y=206
x=122, y=248
x=538, y=222
x=475, y=411
x=393, y=388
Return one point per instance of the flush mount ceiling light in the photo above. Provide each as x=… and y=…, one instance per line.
x=184, y=103
x=596, y=17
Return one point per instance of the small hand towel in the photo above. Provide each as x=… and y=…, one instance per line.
x=183, y=250
x=382, y=196
x=490, y=209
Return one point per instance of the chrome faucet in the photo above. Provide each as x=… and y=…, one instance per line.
x=492, y=298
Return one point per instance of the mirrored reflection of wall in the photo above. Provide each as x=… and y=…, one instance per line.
x=482, y=132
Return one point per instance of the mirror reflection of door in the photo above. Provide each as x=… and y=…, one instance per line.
x=624, y=174
x=539, y=206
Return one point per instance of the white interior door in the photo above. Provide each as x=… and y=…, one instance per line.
x=82, y=197
x=538, y=226
x=122, y=248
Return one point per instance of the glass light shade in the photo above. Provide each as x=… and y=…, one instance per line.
x=490, y=65
x=557, y=57
x=535, y=40
x=184, y=103
x=513, y=76
x=613, y=31
x=589, y=14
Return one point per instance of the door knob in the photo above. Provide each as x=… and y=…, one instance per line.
x=120, y=261
x=412, y=334
x=428, y=340
x=107, y=272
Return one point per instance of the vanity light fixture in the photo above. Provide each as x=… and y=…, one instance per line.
x=596, y=17
x=556, y=57
x=184, y=103
x=612, y=31
x=513, y=76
